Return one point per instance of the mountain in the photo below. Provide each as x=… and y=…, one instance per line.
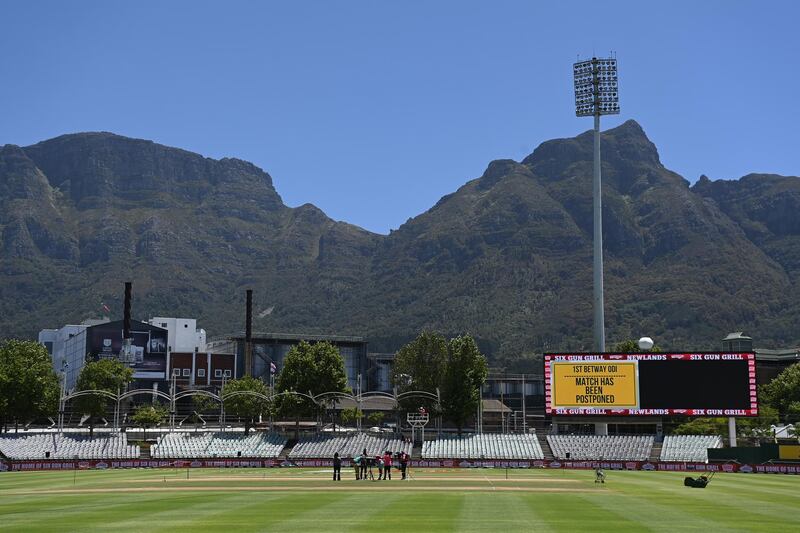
x=506, y=257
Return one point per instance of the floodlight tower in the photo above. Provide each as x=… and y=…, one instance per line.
x=596, y=94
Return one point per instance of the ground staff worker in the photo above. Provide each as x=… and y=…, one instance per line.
x=337, y=467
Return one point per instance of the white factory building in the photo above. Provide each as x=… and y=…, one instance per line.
x=183, y=334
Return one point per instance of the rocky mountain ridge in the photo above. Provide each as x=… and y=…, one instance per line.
x=506, y=257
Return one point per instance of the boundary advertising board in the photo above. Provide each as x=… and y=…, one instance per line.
x=765, y=468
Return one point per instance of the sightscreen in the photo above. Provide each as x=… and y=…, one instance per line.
x=683, y=384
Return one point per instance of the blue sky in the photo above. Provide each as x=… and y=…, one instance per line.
x=374, y=110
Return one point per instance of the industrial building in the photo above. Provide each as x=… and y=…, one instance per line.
x=71, y=347
x=271, y=348
x=161, y=349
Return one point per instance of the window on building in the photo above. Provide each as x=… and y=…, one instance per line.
x=176, y=372
x=163, y=324
x=218, y=373
x=187, y=372
x=227, y=373
x=201, y=372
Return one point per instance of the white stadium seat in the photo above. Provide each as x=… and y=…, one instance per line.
x=222, y=444
x=692, y=448
x=606, y=447
x=484, y=446
x=67, y=446
x=324, y=446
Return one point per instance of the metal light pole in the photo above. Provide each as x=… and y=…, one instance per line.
x=62, y=403
x=596, y=93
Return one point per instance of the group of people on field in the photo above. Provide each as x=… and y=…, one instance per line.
x=363, y=465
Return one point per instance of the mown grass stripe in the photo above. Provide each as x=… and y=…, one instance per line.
x=292, y=500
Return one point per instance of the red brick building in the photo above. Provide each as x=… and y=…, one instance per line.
x=201, y=370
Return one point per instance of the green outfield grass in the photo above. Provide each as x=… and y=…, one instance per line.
x=435, y=500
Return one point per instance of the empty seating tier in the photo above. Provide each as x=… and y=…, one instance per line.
x=484, y=446
x=324, y=446
x=67, y=446
x=605, y=447
x=689, y=447
x=222, y=444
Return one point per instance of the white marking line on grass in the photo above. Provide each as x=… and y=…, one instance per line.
x=490, y=482
x=289, y=488
x=259, y=478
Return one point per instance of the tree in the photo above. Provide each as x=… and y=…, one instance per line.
x=149, y=415
x=759, y=426
x=456, y=368
x=309, y=368
x=109, y=375
x=703, y=426
x=793, y=413
x=29, y=387
x=376, y=417
x=420, y=365
x=783, y=391
x=246, y=406
x=465, y=372
x=632, y=346
x=351, y=414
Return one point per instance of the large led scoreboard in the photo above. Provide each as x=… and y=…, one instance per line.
x=690, y=384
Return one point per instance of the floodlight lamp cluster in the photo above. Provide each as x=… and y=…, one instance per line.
x=596, y=89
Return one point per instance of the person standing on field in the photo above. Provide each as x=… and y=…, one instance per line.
x=403, y=464
x=379, y=463
x=387, y=465
x=337, y=467
x=364, y=458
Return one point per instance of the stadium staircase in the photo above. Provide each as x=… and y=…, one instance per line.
x=284, y=455
x=655, y=453
x=546, y=450
x=144, y=452
x=416, y=452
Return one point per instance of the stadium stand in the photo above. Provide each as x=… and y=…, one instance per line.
x=608, y=447
x=65, y=446
x=484, y=446
x=689, y=447
x=324, y=446
x=221, y=444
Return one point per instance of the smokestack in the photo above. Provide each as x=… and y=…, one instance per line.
x=248, y=335
x=248, y=332
x=126, y=319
